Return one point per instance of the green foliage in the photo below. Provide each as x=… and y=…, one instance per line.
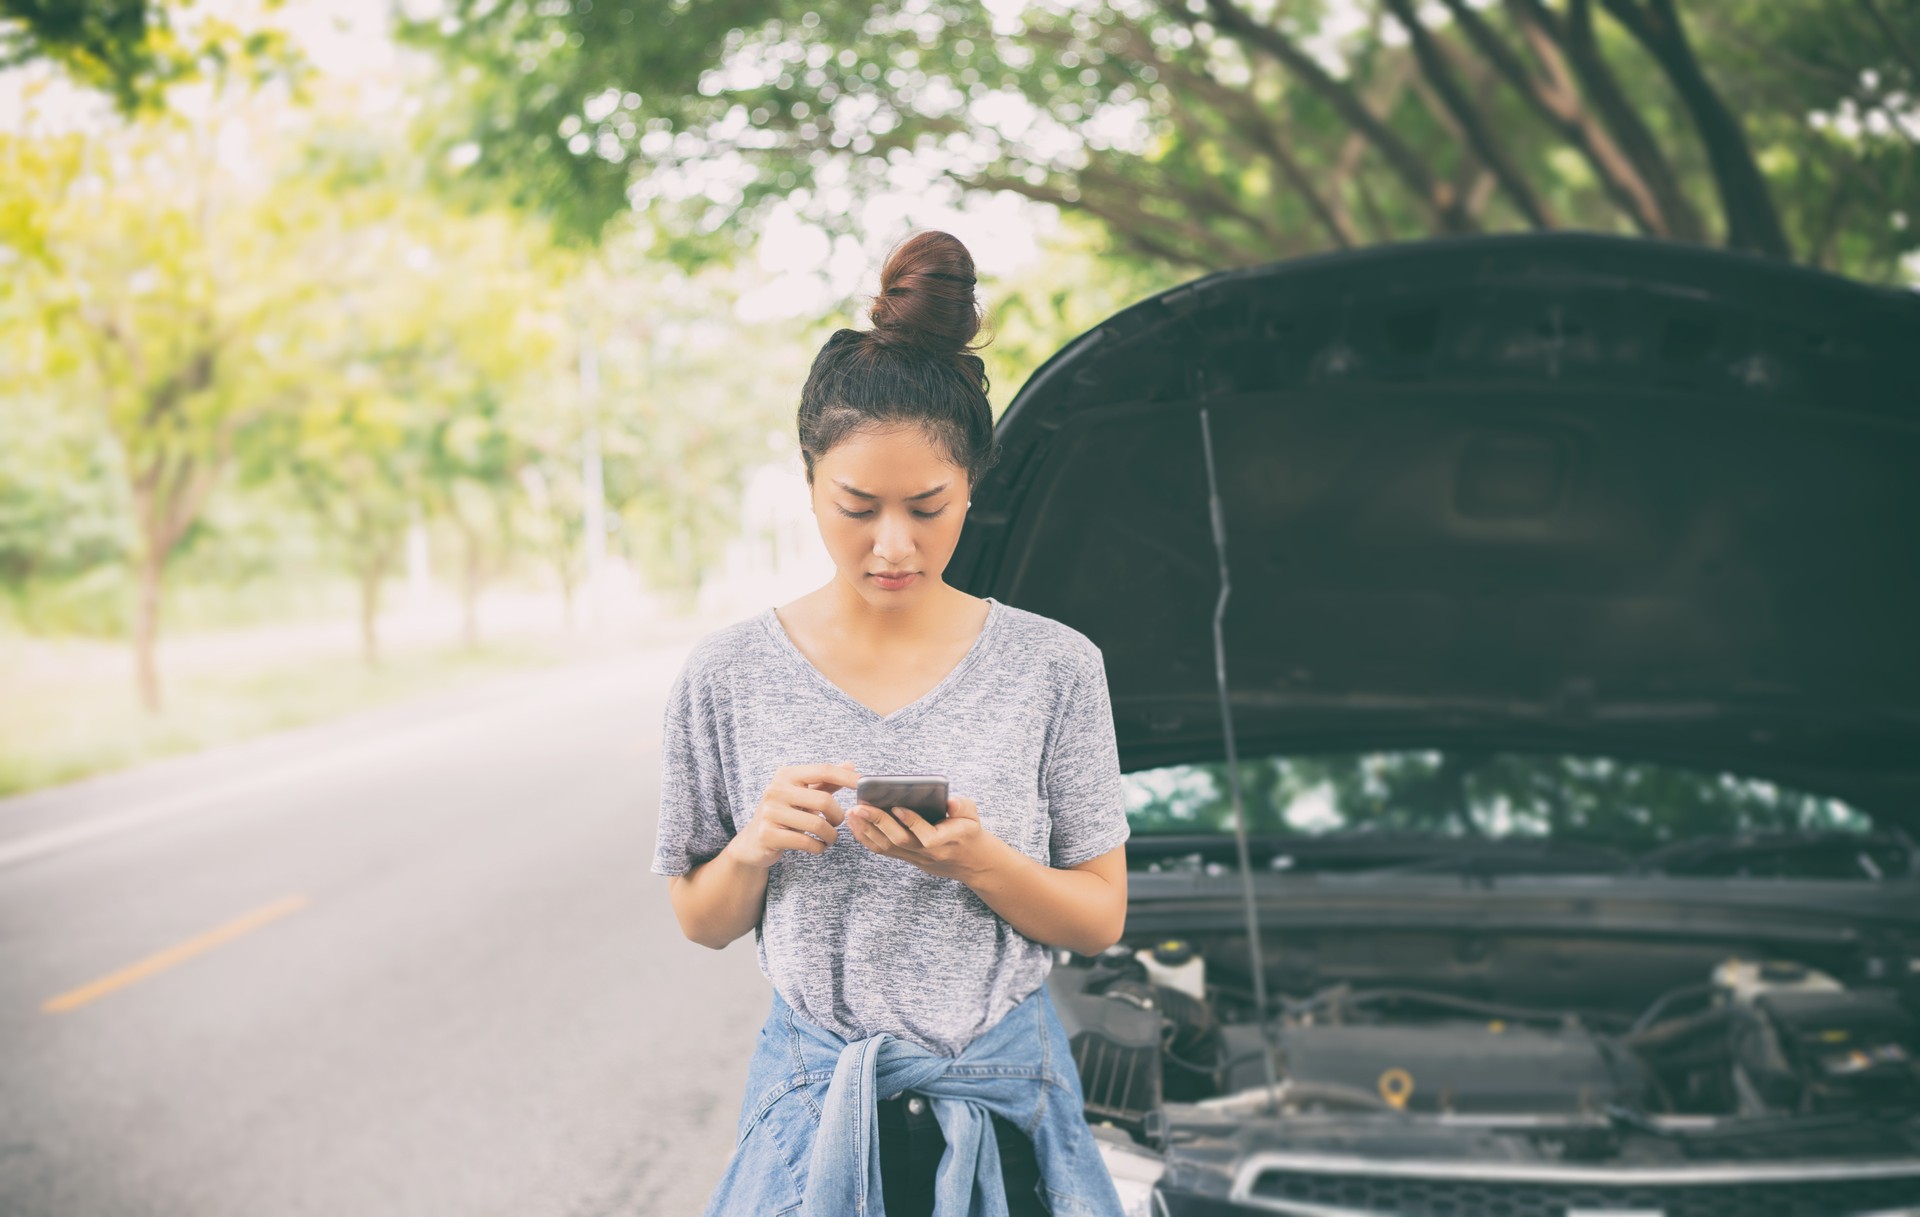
x=690, y=396
x=415, y=380
x=530, y=69
x=1830, y=96
x=62, y=509
x=90, y=603
x=151, y=293
x=135, y=50
x=1626, y=805
x=1209, y=133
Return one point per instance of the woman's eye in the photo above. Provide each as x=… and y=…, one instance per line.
x=861, y=515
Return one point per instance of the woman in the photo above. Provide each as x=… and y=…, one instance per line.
x=912, y=1062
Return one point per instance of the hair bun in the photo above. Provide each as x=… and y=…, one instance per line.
x=926, y=295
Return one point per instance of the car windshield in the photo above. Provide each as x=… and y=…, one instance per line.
x=1583, y=812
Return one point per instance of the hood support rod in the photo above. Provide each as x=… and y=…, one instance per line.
x=1259, y=960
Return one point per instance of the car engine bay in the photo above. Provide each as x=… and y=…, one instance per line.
x=1754, y=1043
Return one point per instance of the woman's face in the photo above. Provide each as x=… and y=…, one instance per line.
x=889, y=501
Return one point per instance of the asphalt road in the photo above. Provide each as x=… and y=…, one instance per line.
x=411, y=963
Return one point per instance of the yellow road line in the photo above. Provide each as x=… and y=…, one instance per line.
x=176, y=954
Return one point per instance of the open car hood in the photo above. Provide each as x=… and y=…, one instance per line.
x=1566, y=491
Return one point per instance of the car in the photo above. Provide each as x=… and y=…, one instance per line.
x=1549, y=607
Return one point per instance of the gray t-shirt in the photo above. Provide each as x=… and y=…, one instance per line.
x=857, y=942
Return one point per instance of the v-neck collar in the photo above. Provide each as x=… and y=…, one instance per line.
x=913, y=709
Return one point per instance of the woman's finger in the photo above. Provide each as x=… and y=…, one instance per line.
x=921, y=830
x=828, y=777
x=865, y=833
x=809, y=799
x=885, y=825
x=803, y=822
x=788, y=838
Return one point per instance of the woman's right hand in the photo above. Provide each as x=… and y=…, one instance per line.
x=799, y=800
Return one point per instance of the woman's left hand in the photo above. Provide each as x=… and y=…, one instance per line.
x=956, y=848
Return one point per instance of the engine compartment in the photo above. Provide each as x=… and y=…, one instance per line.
x=1749, y=1038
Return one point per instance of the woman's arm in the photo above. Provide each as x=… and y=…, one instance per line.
x=724, y=897
x=1082, y=908
x=718, y=900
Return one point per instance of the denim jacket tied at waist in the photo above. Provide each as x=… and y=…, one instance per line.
x=808, y=1141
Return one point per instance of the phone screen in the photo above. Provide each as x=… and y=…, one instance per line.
x=925, y=794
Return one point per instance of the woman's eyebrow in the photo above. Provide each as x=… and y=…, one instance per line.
x=924, y=494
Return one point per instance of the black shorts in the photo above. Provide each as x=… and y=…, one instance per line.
x=910, y=1147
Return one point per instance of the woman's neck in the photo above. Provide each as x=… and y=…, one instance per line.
x=842, y=612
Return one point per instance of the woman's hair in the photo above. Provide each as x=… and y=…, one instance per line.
x=916, y=365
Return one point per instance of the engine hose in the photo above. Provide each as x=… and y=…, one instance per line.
x=1676, y=1030
x=1473, y=1006
x=1340, y=994
x=1666, y=999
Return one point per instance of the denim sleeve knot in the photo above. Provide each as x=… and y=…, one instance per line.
x=815, y=1155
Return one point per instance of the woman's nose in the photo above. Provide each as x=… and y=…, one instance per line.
x=892, y=541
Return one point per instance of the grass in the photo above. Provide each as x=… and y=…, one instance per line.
x=68, y=709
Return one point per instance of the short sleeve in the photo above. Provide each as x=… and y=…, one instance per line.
x=1081, y=773
x=695, y=821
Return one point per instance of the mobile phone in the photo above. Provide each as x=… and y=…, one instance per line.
x=924, y=794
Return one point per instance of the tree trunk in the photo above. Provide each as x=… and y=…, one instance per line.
x=470, y=590
x=370, y=577
x=375, y=560
x=146, y=627
x=150, y=564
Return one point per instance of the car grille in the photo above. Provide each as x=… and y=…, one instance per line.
x=1359, y=1193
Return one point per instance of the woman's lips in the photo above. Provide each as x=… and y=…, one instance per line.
x=894, y=584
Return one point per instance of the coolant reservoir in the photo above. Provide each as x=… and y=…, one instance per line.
x=1742, y=980
x=1174, y=963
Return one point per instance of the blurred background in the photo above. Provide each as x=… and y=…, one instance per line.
x=390, y=393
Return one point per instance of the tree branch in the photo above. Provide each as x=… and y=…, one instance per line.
x=1479, y=133
x=1555, y=101
x=1253, y=131
x=1381, y=97
x=1370, y=205
x=1745, y=198
x=1576, y=39
x=1096, y=179
x=1220, y=201
x=1435, y=195
x=1143, y=240
x=195, y=480
x=1479, y=192
x=1897, y=44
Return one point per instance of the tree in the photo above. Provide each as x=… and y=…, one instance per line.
x=149, y=286
x=355, y=463
x=435, y=344
x=133, y=49
x=1209, y=133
